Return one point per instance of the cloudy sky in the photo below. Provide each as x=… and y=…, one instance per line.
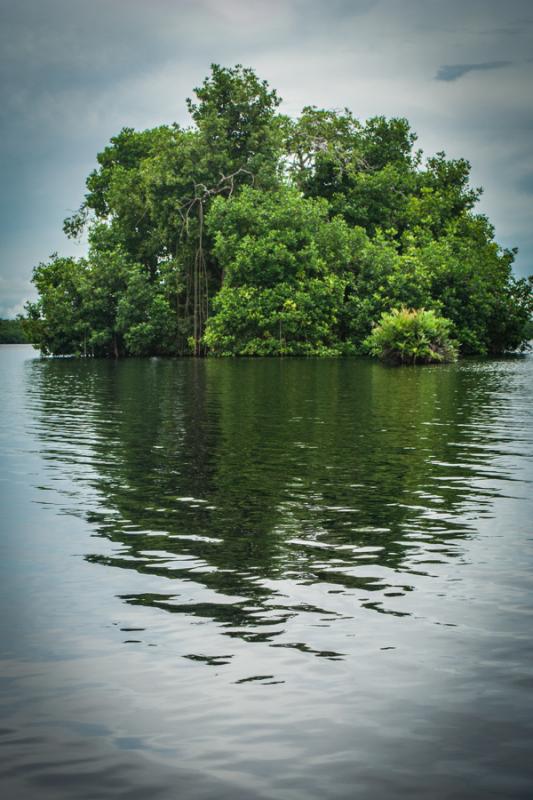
x=74, y=72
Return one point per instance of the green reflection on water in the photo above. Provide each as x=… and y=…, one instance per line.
x=237, y=478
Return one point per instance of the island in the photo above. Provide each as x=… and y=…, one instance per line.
x=251, y=233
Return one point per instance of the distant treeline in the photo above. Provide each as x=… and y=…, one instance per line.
x=12, y=332
x=252, y=233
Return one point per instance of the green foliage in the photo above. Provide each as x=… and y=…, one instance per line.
x=145, y=316
x=367, y=172
x=412, y=336
x=261, y=239
x=12, y=332
x=237, y=123
x=55, y=321
x=279, y=320
x=251, y=233
x=284, y=263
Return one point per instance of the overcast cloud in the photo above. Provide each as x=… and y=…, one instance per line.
x=73, y=73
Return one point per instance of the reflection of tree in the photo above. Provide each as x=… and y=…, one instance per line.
x=235, y=477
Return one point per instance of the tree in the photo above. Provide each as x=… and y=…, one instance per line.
x=237, y=122
x=252, y=233
x=55, y=322
x=145, y=317
x=284, y=282
x=12, y=331
x=367, y=172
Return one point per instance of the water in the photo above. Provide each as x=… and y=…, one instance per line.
x=277, y=579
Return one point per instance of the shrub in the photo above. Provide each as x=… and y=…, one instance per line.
x=411, y=336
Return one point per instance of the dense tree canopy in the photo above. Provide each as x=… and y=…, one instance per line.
x=12, y=332
x=252, y=233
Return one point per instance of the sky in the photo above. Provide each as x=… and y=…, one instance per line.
x=74, y=72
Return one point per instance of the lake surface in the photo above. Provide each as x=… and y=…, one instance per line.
x=277, y=579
